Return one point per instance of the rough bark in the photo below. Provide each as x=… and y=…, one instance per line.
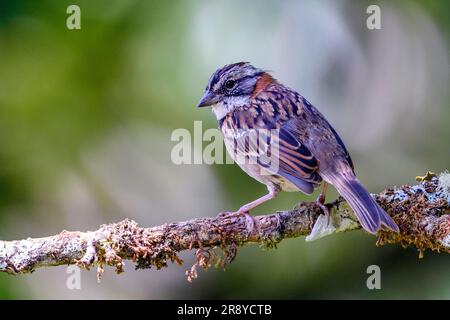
x=421, y=211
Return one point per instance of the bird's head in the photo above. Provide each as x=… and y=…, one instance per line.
x=232, y=86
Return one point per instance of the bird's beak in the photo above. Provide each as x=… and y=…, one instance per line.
x=208, y=99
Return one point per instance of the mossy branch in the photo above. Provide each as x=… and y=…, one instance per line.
x=422, y=212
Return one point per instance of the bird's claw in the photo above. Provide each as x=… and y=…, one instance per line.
x=249, y=219
x=323, y=225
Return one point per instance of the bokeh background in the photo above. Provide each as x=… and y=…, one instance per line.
x=86, y=118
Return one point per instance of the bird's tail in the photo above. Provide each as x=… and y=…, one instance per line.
x=369, y=213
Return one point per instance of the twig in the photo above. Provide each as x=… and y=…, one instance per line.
x=422, y=213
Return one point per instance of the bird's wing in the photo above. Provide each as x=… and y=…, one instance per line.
x=279, y=152
x=329, y=128
x=295, y=161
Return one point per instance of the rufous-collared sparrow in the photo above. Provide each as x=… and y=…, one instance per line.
x=306, y=148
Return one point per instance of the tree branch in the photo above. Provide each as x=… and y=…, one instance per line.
x=422, y=213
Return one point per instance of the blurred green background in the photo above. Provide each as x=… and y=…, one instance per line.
x=86, y=118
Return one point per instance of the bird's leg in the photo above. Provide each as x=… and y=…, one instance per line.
x=321, y=201
x=249, y=206
x=244, y=210
x=323, y=193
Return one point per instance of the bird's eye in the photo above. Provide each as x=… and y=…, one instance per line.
x=230, y=84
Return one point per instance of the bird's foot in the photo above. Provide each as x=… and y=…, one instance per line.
x=323, y=225
x=250, y=221
x=320, y=201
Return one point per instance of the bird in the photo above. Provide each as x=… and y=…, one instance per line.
x=250, y=104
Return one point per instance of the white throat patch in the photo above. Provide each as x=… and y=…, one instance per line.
x=221, y=109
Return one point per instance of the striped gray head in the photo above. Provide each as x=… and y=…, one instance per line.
x=230, y=86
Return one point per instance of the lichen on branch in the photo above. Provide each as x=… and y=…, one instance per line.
x=422, y=212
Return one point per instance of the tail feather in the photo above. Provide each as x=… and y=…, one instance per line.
x=371, y=216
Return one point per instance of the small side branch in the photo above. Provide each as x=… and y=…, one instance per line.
x=421, y=211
